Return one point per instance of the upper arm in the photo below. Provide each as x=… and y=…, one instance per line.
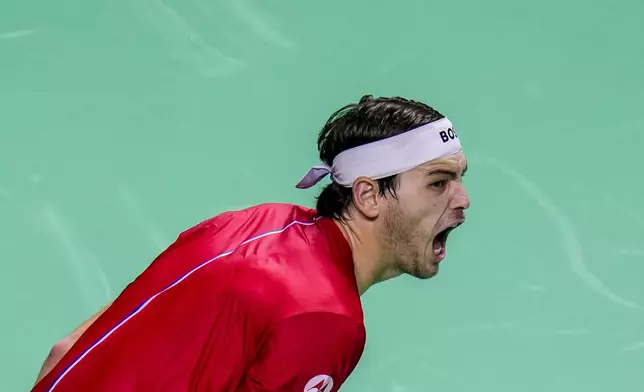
x=63, y=345
x=313, y=352
x=73, y=337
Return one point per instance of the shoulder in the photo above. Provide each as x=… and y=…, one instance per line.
x=253, y=220
x=229, y=230
x=272, y=258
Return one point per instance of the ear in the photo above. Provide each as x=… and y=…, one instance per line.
x=366, y=197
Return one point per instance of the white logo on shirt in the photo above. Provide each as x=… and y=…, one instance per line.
x=321, y=383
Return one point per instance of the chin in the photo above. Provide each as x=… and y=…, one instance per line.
x=426, y=271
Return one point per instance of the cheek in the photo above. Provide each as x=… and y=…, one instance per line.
x=432, y=218
x=434, y=213
x=424, y=215
x=422, y=207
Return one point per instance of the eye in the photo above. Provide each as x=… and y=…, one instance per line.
x=440, y=184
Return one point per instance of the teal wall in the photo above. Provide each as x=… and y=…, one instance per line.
x=123, y=123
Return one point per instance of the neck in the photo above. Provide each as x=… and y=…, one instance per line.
x=370, y=263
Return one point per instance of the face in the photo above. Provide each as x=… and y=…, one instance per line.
x=430, y=202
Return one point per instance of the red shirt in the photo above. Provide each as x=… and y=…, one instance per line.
x=262, y=299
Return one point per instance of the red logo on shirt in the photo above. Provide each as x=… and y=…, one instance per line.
x=321, y=383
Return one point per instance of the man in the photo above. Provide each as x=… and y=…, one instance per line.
x=268, y=298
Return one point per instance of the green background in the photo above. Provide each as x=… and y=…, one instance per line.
x=122, y=123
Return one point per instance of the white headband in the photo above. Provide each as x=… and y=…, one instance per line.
x=389, y=156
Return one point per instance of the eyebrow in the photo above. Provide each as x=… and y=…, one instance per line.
x=449, y=173
x=446, y=172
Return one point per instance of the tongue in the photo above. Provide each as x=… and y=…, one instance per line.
x=438, y=245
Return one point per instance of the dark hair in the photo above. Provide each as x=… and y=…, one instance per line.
x=360, y=123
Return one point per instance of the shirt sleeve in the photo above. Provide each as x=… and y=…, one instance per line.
x=196, y=336
x=311, y=352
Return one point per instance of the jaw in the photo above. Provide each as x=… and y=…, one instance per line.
x=424, y=268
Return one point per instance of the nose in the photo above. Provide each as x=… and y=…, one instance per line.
x=460, y=200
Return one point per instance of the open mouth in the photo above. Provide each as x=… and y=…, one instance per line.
x=440, y=241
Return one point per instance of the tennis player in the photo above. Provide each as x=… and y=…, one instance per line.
x=268, y=298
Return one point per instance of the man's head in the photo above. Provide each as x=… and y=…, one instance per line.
x=407, y=216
